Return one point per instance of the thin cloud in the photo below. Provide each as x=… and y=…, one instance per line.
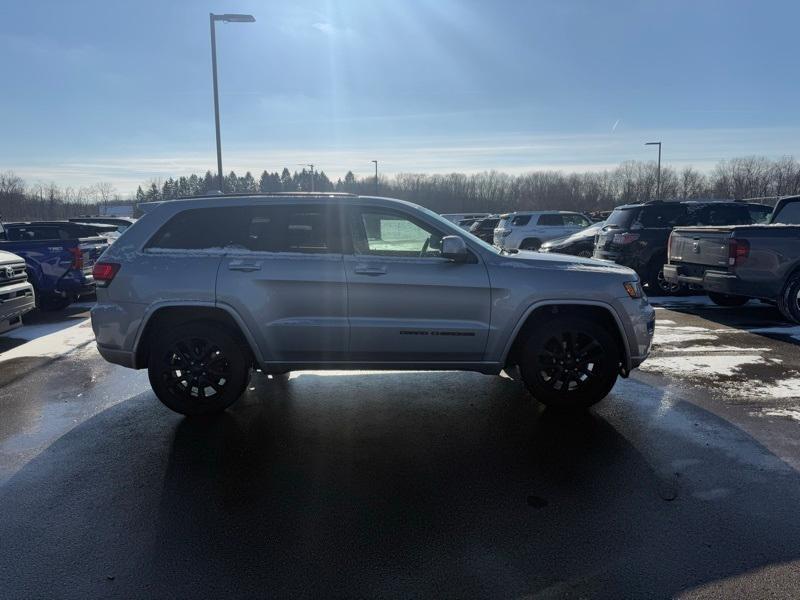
x=614, y=127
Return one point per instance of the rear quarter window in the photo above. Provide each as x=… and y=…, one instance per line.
x=717, y=214
x=521, y=220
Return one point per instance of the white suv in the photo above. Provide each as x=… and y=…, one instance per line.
x=529, y=230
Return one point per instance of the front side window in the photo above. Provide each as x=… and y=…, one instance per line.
x=660, y=216
x=789, y=214
x=392, y=234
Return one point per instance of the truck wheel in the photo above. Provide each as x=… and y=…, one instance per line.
x=789, y=300
x=198, y=368
x=569, y=362
x=656, y=284
x=727, y=299
x=49, y=303
x=531, y=244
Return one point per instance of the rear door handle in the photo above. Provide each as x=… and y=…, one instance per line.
x=244, y=266
x=367, y=270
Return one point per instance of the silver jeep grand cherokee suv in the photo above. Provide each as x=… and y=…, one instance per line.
x=200, y=291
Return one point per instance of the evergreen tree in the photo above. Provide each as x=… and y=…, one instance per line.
x=209, y=183
x=286, y=181
x=153, y=193
x=247, y=184
x=140, y=195
x=194, y=185
x=231, y=183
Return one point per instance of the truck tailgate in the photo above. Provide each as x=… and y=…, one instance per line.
x=706, y=246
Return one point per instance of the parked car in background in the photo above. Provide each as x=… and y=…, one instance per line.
x=16, y=293
x=580, y=243
x=456, y=217
x=759, y=213
x=57, y=261
x=354, y=283
x=635, y=235
x=484, y=228
x=734, y=264
x=467, y=223
x=529, y=230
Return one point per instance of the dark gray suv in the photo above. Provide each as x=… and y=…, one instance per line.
x=199, y=291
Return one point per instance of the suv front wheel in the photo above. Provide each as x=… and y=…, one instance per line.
x=198, y=368
x=569, y=362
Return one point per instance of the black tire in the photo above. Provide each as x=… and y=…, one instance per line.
x=789, y=300
x=49, y=303
x=727, y=299
x=656, y=284
x=215, y=370
x=569, y=362
x=531, y=244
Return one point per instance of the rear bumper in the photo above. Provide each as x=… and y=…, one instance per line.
x=117, y=356
x=716, y=281
x=76, y=283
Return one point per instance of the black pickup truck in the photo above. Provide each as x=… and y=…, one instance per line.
x=734, y=264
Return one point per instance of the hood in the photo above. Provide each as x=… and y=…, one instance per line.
x=8, y=257
x=546, y=260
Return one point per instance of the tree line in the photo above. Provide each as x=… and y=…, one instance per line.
x=490, y=191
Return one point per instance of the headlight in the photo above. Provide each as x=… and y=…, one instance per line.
x=634, y=289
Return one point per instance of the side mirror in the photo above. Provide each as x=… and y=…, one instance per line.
x=454, y=248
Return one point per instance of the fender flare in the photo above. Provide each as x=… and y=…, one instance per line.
x=597, y=303
x=156, y=306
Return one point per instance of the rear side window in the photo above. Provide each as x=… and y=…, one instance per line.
x=660, y=215
x=551, y=220
x=280, y=228
x=521, y=220
x=717, y=214
x=305, y=228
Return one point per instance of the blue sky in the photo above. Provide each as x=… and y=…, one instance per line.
x=121, y=91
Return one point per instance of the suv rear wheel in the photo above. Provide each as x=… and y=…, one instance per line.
x=198, y=368
x=789, y=300
x=569, y=362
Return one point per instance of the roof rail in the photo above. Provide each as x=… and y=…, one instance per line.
x=268, y=194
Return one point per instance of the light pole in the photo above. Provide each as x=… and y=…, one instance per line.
x=311, y=166
x=225, y=19
x=376, y=176
x=658, y=173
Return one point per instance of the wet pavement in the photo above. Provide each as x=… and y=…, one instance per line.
x=684, y=482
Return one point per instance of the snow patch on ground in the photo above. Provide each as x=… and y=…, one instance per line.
x=704, y=366
x=49, y=340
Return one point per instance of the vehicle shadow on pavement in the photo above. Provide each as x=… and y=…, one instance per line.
x=396, y=485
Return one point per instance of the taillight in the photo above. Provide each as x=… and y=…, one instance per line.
x=77, y=258
x=621, y=239
x=738, y=251
x=669, y=247
x=104, y=273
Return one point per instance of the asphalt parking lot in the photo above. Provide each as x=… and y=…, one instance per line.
x=685, y=480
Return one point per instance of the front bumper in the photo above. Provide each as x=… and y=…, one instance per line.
x=15, y=301
x=641, y=319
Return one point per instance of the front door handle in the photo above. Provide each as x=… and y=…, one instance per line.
x=244, y=266
x=367, y=270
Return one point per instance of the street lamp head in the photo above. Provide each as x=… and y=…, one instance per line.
x=232, y=18
x=652, y=143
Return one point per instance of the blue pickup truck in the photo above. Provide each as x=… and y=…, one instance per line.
x=58, y=257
